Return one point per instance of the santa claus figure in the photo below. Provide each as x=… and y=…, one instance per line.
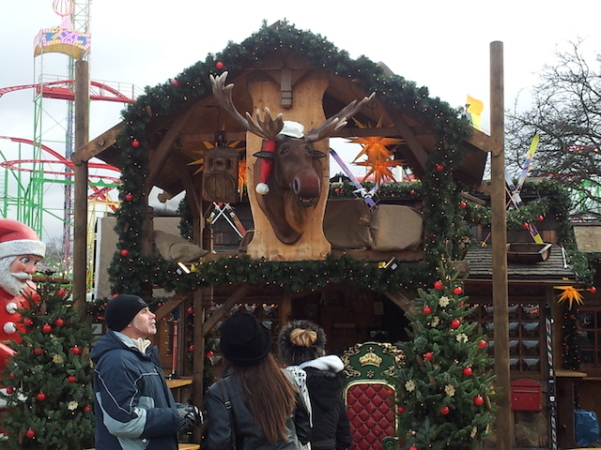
x=20, y=252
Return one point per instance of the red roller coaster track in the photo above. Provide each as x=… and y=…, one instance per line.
x=98, y=193
x=64, y=90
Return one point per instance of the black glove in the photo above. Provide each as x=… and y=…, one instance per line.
x=189, y=416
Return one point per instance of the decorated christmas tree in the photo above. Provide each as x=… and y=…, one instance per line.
x=48, y=382
x=444, y=391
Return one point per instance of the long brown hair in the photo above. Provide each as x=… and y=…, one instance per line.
x=270, y=395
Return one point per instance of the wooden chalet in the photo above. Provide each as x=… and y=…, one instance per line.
x=169, y=133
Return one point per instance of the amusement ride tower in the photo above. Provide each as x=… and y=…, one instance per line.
x=57, y=50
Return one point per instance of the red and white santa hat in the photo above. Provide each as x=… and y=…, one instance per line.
x=292, y=129
x=16, y=239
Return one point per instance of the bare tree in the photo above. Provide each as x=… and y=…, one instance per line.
x=566, y=114
x=55, y=255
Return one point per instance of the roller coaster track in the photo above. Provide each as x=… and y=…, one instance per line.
x=64, y=90
x=98, y=193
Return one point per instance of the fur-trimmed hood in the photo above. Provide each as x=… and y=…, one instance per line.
x=292, y=354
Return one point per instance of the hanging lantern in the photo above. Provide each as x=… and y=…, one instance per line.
x=220, y=175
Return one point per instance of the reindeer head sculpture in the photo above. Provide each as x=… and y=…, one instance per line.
x=289, y=179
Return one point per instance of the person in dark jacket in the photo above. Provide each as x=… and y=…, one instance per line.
x=301, y=344
x=133, y=405
x=255, y=405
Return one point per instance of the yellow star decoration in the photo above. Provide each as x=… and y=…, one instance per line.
x=570, y=294
x=379, y=157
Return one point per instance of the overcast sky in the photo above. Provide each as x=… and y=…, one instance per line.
x=444, y=45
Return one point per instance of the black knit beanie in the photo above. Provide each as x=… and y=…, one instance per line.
x=244, y=341
x=121, y=310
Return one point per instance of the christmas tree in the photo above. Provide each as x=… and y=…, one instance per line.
x=48, y=382
x=444, y=389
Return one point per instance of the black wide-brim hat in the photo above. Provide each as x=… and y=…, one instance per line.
x=244, y=341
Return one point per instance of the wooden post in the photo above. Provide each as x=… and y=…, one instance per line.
x=80, y=226
x=504, y=423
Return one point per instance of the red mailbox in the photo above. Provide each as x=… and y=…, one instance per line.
x=526, y=395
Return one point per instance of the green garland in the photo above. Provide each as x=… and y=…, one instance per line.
x=444, y=212
x=130, y=270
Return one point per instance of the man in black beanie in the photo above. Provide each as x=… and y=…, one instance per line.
x=134, y=408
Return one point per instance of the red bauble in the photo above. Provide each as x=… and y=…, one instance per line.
x=210, y=354
x=455, y=323
x=61, y=293
x=413, y=447
x=463, y=205
x=593, y=289
x=219, y=65
x=401, y=409
x=457, y=290
x=86, y=408
x=124, y=252
x=439, y=167
x=445, y=410
x=389, y=392
x=482, y=344
x=135, y=143
x=412, y=192
x=10, y=390
x=526, y=225
x=12, y=375
x=478, y=400
x=75, y=350
x=540, y=218
x=41, y=397
x=467, y=371
x=336, y=190
x=428, y=356
x=27, y=322
x=47, y=328
x=191, y=348
x=191, y=310
x=36, y=297
x=30, y=433
x=37, y=351
x=72, y=379
x=438, y=285
x=129, y=197
x=59, y=322
x=175, y=83
x=427, y=310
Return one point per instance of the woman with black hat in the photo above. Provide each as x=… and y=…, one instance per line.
x=302, y=344
x=255, y=405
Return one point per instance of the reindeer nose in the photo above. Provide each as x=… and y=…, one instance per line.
x=306, y=185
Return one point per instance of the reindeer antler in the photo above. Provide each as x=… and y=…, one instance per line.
x=337, y=121
x=267, y=128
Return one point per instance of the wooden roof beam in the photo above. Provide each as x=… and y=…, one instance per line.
x=191, y=195
x=97, y=145
x=162, y=151
x=418, y=156
x=484, y=142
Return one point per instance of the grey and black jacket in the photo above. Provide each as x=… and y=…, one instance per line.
x=133, y=406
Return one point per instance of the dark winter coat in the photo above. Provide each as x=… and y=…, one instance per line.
x=134, y=408
x=247, y=434
x=331, y=428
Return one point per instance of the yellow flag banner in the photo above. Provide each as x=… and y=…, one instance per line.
x=474, y=108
